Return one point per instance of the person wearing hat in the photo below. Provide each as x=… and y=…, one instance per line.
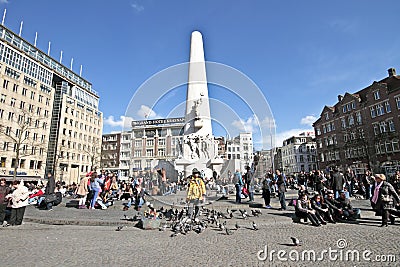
x=382, y=199
x=196, y=192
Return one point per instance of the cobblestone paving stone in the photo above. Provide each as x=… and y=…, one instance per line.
x=95, y=241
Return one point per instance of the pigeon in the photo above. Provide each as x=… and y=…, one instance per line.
x=164, y=227
x=255, y=213
x=255, y=227
x=228, y=232
x=296, y=242
x=230, y=213
x=119, y=228
x=222, y=226
x=244, y=214
x=237, y=226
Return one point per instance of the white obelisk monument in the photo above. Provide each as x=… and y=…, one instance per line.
x=199, y=147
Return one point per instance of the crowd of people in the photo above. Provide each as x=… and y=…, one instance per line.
x=323, y=197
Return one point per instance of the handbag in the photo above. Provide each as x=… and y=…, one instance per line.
x=386, y=198
x=50, y=198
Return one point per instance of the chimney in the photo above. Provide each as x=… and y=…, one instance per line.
x=339, y=98
x=392, y=72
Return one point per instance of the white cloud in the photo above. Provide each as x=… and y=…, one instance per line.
x=308, y=120
x=122, y=122
x=146, y=112
x=250, y=125
x=137, y=7
x=280, y=137
x=3, y=1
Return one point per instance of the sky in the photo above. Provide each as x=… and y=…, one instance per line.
x=300, y=54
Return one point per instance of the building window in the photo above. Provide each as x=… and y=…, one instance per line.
x=351, y=120
x=380, y=110
x=318, y=130
x=376, y=129
x=12, y=103
x=137, y=153
x=376, y=95
x=161, y=152
x=149, y=152
x=353, y=105
x=391, y=126
x=387, y=107
x=326, y=116
x=161, y=142
x=358, y=117
x=343, y=122
x=398, y=102
x=373, y=112
x=3, y=98
x=138, y=143
x=150, y=142
x=383, y=127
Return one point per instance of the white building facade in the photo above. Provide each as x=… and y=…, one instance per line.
x=299, y=153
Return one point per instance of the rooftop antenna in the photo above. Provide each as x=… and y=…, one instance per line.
x=80, y=71
x=72, y=61
x=48, y=50
x=61, y=56
x=20, y=28
x=35, y=40
x=4, y=16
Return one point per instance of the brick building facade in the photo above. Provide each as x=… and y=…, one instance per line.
x=362, y=129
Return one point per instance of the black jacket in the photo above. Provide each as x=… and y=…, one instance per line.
x=385, y=189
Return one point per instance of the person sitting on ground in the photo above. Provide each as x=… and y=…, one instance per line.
x=349, y=213
x=318, y=204
x=126, y=192
x=137, y=198
x=304, y=210
x=34, y=196
x=333, y=205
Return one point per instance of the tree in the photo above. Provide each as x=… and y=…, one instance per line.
x=19, y=130
x=94, y=155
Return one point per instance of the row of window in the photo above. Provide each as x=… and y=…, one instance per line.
x=3, y=97
x=380, y=109
x=83, y=115
x=24, y=64
x=23, y=149
x=384, y=127
x=387, y=147
x=82, y=126
x=33, y=164
x=75, y=134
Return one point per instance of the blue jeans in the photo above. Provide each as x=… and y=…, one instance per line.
x=282, y=200
x=95, y=195
x=238, y=193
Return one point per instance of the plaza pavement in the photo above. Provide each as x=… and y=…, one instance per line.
x=72, y=237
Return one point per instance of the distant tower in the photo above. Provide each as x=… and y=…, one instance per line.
x=197, y=117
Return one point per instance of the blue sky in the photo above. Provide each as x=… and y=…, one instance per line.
x=301, y=54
